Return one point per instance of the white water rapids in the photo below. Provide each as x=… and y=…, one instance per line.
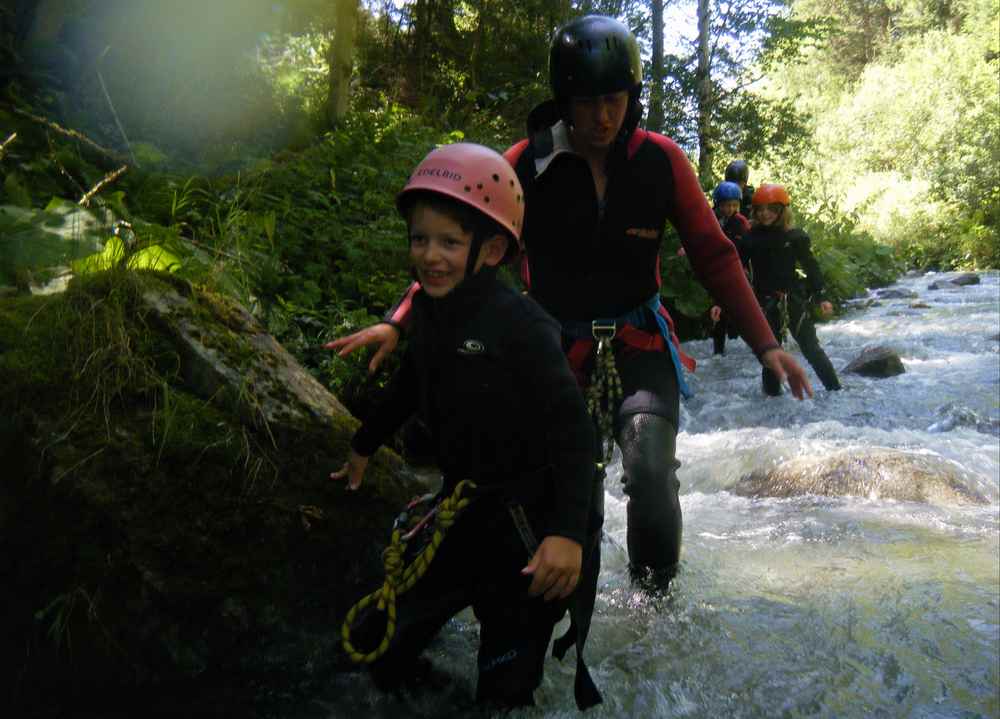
x=804, y=606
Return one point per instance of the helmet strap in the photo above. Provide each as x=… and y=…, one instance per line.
x=474, y=250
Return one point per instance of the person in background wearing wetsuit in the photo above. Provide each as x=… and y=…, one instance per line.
x=599, y=191
x=773, y=250
x=726, y=205
x=737, y=171
x=485, y=371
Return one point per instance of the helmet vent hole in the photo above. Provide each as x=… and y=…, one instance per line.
x=479, y=186
x=496, y=178
x=511, y=183
x=486, y=198
x=468, y=189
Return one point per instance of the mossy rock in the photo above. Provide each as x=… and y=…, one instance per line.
x=155, y=535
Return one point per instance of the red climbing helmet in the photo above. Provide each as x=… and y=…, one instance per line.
x=475, y=175
x=771, y=194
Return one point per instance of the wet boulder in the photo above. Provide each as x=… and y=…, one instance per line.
x=919, y=306
x=896, y=294
x=869, y=473
x=167, y=516
x=876, y=362
x=941, y=285
x=966, y=278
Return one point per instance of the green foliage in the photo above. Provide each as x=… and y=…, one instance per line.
x=911, y=148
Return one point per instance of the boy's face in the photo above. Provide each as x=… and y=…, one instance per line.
x=597, y=120
x=728, y=208
x=439, y=250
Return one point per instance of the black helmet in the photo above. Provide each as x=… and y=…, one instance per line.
x=593, y=55
x=737, y=171
x=596, y=55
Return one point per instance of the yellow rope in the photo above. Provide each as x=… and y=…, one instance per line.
x=604, y=392
x=399, y=579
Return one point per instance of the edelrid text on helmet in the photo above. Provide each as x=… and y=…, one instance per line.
x=474, y=175
x=593, y=55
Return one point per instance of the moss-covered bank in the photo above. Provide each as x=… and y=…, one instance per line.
x=157, y=539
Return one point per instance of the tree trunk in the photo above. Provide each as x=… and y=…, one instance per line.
x=703, y=77
x=654, y=119
x=341, y=60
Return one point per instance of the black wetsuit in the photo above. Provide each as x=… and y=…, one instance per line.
x=735, y=226
x=773, y=256
x=746, y=204
x=485, y=371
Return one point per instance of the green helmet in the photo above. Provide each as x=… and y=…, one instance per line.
x=594, y=55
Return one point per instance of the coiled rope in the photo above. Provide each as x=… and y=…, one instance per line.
x=400, y=578
x=605, y=391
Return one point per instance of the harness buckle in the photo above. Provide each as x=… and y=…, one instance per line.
x=603, y=330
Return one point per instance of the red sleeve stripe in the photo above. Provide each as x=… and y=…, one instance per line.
x=713, y=257
x=400, y=314
x=514, y=152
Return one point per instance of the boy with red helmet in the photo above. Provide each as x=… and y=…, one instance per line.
x=484, y=369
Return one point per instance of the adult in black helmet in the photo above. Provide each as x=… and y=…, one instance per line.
x=737, y=171
x=598, y=192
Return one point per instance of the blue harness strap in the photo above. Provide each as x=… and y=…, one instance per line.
x=637, y=318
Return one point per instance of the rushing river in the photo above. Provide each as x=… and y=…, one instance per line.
x=805, y=606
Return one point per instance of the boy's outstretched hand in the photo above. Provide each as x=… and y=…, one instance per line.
x=353, y=470
x=556, y=568
x=383, y=334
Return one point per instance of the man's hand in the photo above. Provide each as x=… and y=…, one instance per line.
x=383, y=334
x=826, y=308
x=353, y=470
x=556, y=568
x=788, y=371
x=715, y=313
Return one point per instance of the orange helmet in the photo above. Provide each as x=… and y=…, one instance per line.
x=770, y=194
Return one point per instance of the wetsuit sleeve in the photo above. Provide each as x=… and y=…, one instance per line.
x=397, y=405
x=545, y=374
x=805, y=257
x=399, y=314
x=713, y=257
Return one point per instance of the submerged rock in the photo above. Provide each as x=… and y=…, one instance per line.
x=875, y=474
x=896, y=294
x=876, y=362
x=165, y=507
x=966, y=278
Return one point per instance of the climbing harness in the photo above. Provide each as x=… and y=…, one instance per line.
x=605, y=388
x=401, y=577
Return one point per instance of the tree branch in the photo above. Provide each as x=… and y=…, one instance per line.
x=79, y=136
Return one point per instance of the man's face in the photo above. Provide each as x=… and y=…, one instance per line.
x=597, y=119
